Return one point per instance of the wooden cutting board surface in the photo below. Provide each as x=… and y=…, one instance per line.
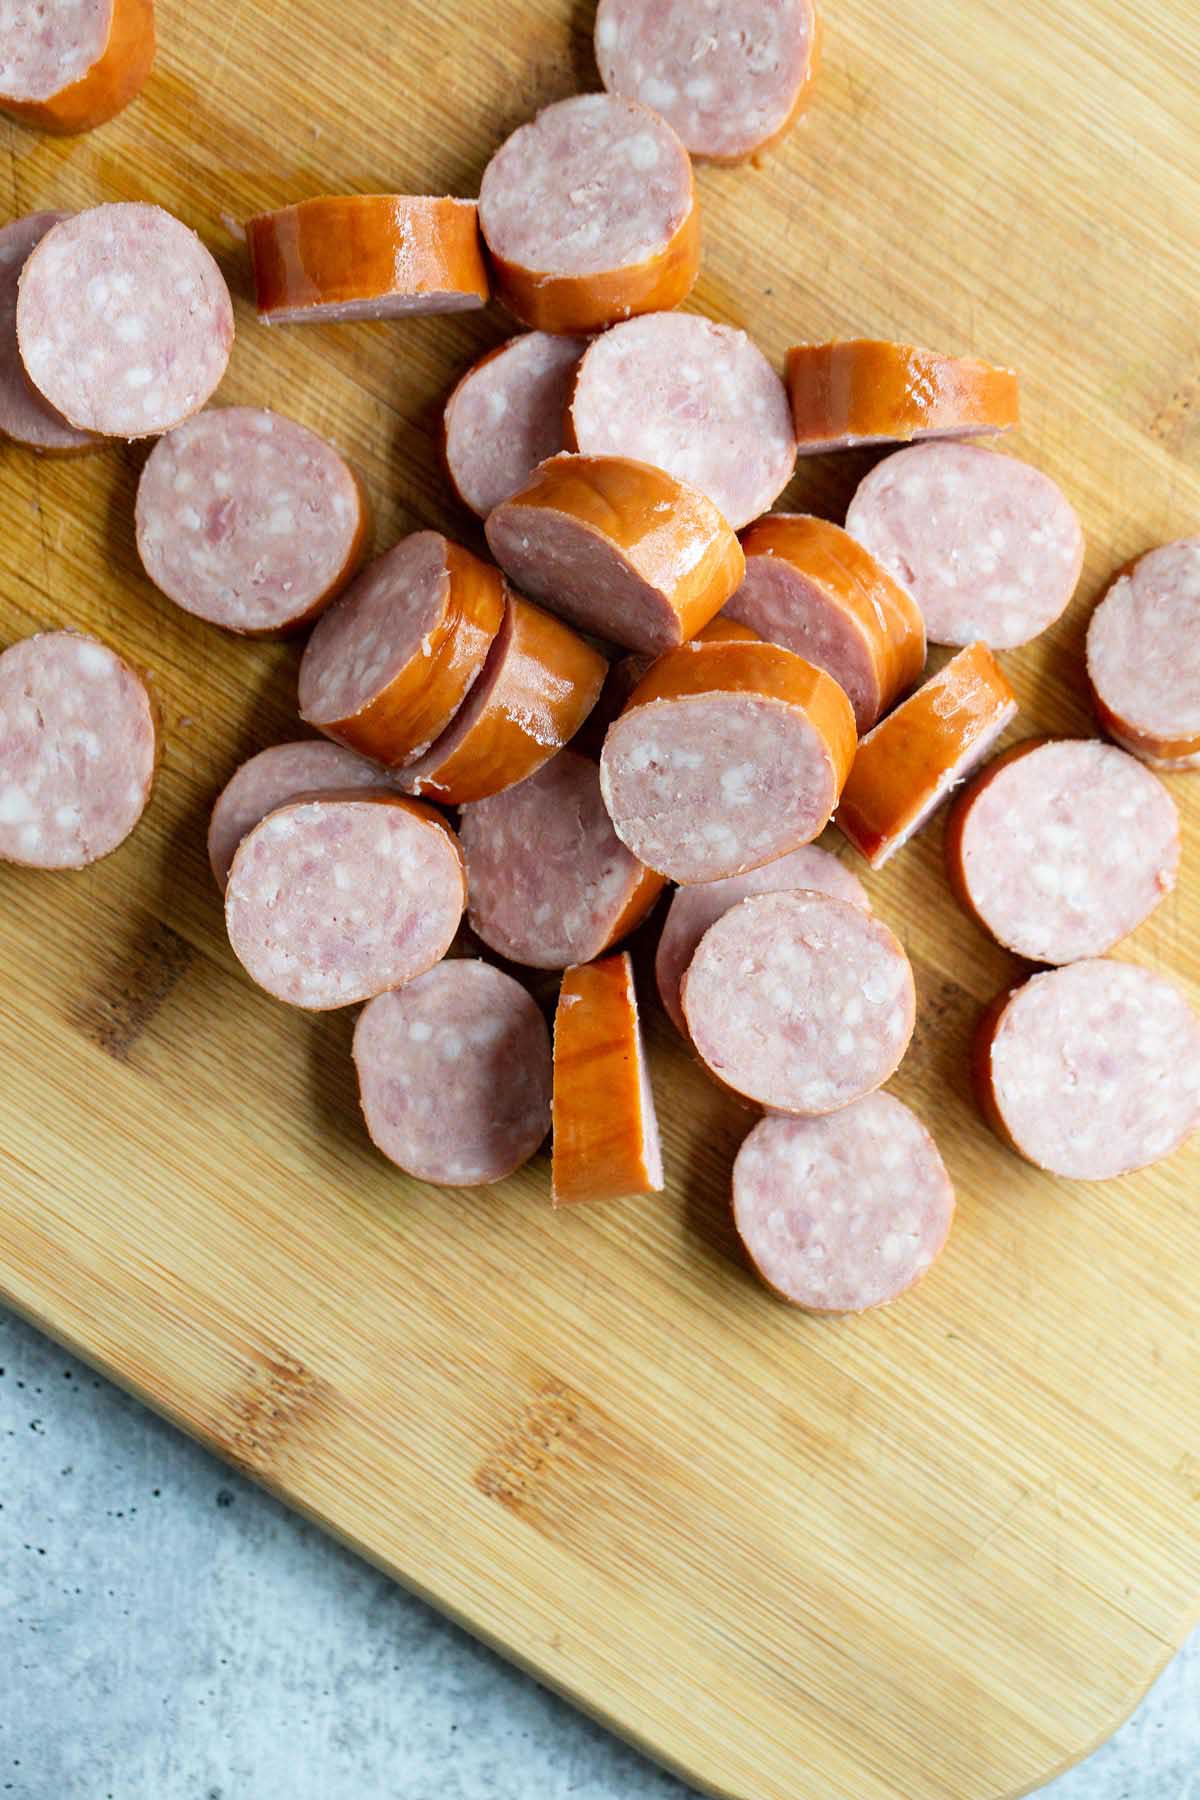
x=934, y=1554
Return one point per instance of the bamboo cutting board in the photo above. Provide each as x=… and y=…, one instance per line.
x=933, y=1554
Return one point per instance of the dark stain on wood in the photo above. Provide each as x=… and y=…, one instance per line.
x=549, y=1430
x=116, y=1011
x=278, y=1398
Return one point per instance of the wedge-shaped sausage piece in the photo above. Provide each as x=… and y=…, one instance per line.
x=864, y=391
x=550, y=882
x=620, y=549
x=726, y=756
x=810, y=587
x=799, y=1001
x=388, y=667
x=989, y=547
x=1143, y=657
x=124, y=321
x=281, y=773
x=606, y=1143
x=335, y=899
x=78, y=748
x=25, y=416
x=505, y=416
x=454, y=1074
x=366, y=256
x=732, y=79
x=590, y=214
x=68, y=65
x=538, y=685
x=909, y=764
x=842, y=1213
x=1091, y=1070
x=1060, y=848
x=692, y=397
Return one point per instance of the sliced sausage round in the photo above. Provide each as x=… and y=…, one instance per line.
x=989, y=547
x=249, y=520
x=273, y=777
x=77, y=751
x=1060, y=848
x=811, y=588
x=620, y=549
x=695, y=398
x=549, y=881
x=335, y=899
x=912, y=760
x=454, y=1074
x=727, y=755
x=66, y=68
x=124, y=321
x=387, y=668
x=590, y=214
x=366, y=256
x=864, y=391
x=538, y=685
x=842, y=1213
x=25, y=416
x=506, y=416
x=1143, y=656
x=694, y=909
x=606, y=1139
x=799, y=1001
x=731, y=80
x=1091, y=1070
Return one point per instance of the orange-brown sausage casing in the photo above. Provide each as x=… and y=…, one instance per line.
x=605, y=1135
x=114, y=79
x=864, y=390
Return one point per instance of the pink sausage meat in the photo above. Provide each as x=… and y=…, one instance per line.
x=799, y=1001
x=989, y=547
x=124, y=321
x=842, y=1213
x=272, y=778
x=695, y=398
x=694, y=909
x=1143, y=656
x=454, y=1074
x=248, y=519
x=24, y=415
x=77, y=751
x=506, y=416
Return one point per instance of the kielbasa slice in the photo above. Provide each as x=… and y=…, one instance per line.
x=281, y=773
x=864, y=391
x=66, y=68
x=505, y=416
x=1143, y=657
x=25, y=416
x=606, y=1140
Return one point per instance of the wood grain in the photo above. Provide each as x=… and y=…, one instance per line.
x=930, y=1555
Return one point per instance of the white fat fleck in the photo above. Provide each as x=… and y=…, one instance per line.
x=189, y=517
x=98, y=293
x=15, y=805
x=643, y=151
x=140, y=376
x=92, y=659
x=66, y=816
x=281, y=521
x=735, y=783
x=608, y=33
x=420, y=1031
x=658, y=93
x=122, y=285
x=641, y=756
x=184, y=481
x=1046, y=878
x=30, y=837
x=342, y=878
x=131, y=328
x=91, y=745
x=846, y=1043
x=497, y=404
x=450, y=1045
x=264, y=425
x=222, y=481
x=700, y=87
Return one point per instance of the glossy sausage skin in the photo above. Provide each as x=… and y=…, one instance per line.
x=606, y=1143
x=867, y=391
x=114, y=79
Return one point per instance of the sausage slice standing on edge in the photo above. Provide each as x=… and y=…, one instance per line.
x=538, y=685
x=454, y=1074
x=340, y=897
x=620, y=549
x=66, y=69
x=726, y=756
x=387, y=668
x=1061, y=847
x=911, y=761
x=269, y=780
x=590, y=214
x=124, y=321
x=846, y=1212
x=550, y=882
x=799, y=1001
x=732, y=80
x=989, y=547
x=1143, y=657
x=693, y=909
x=249, y=520
x=1091, y=1070
x=810, y=587
x=692, y=397
x=78, y=747
x=366, y=256
x=25, y=416
x=606, y=1142
x=505, y=416
x=864, y=391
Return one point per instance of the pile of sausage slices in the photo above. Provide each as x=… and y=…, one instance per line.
x=656, y=680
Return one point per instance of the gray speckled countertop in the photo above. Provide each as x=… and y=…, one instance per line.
x=168, y=1632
